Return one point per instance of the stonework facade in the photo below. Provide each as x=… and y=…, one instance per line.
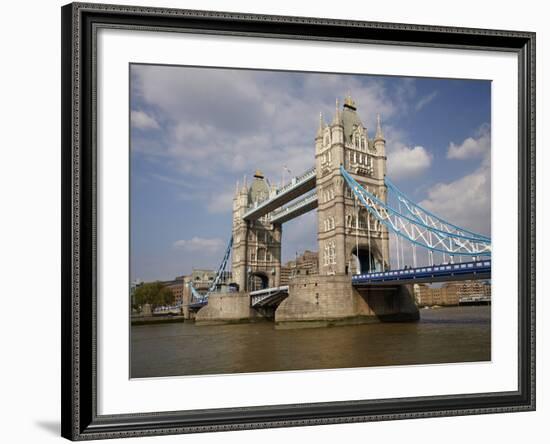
x=317, y=301
x=256, y=260
x=227, y=308
x=350, y=239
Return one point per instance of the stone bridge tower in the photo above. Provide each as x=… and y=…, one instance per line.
x=256, y=260
x=350, y=239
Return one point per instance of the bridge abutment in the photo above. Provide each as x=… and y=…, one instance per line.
x=321, y=301
x=228, y=308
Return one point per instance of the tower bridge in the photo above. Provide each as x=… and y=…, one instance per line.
x=358, y=208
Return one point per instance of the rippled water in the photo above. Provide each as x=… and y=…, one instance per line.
x=444, y=335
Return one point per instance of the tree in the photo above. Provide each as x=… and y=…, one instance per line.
x=153, y=293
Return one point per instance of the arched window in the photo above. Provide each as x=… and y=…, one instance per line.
x=261, y=254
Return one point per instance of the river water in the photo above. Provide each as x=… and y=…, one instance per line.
x=443, y=335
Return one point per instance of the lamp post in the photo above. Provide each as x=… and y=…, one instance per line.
x=285, y=168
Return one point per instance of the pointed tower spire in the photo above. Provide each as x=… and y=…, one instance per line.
x=379, y=134
x=337, y=119
x=321, y=125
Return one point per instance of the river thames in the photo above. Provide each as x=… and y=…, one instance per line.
x=443, y=335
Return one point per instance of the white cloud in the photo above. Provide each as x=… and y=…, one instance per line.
x=404, y=162
x=142, y=120
x=220, y=202
x=477, y=146
x=200, y=244
x=221, y=124
x=425, y=100
x=274, y=122
x=466, y=202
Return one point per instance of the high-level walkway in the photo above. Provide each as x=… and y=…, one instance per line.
x=297, y=187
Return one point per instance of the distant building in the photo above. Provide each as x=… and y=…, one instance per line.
x=286, y=272
x=176, y=287
x=307, y=263
x=450, y=293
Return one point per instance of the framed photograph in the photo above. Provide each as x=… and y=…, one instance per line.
x=280, y=221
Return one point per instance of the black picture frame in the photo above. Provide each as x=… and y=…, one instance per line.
x=78, y=333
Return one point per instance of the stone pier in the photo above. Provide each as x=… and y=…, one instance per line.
x=320, y=301
x=227, y=308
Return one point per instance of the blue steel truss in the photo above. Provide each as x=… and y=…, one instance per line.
x=428, y=217
x=197, y=298
x=432, y=234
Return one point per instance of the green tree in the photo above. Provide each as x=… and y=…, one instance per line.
x=153, y=293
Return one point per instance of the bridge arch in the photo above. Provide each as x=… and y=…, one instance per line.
x=258, y=280
x=365, y=260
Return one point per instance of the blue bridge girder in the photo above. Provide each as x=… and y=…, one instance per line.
x=268, y=296
x=428, y=274
x=197, y=304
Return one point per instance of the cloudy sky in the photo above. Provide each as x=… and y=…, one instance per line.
x=195, y=132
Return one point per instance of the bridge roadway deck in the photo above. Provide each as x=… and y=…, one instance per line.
x=296, y=188
x=431, y=274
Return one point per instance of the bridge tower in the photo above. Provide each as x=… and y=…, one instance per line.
x=256, y=261
x=350, y=239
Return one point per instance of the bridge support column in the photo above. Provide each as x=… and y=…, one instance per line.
x=227, y=308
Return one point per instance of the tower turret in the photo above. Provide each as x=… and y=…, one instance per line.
x=320, y=134
x=350, y=240
x=337, y=126
x=380, y=148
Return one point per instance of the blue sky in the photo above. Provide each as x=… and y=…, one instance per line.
x=195, y=132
